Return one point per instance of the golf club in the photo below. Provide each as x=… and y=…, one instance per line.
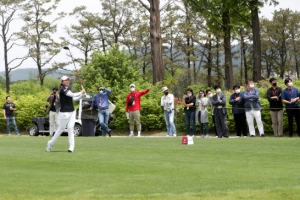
x=79, y=79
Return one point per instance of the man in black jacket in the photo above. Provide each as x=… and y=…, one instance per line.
x=219, y=104
x=189, y=109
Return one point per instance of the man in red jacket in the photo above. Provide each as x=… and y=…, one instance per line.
x=133, y=106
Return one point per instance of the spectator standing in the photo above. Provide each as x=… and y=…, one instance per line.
x=276, y=108
x=290, y=97
x=219, y=103
x=67, y=113
x=202, y=115
x=189, y=109
x=8, y=112
x=209, y=95
x=167, y=101
x=253, y=107
x=133, y=106
x=238, y=110
x=54, y=104
x=101, y=100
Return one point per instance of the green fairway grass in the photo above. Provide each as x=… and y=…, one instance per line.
x=150, y=168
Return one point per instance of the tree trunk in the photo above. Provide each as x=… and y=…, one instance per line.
x=85, y=57
x=156, y=42
x=297, y=66
x=209, y=61
x=194, y=64
x=295, y=55
x=242, y=54
x=188, y=55
x=227, y=47
x=245, y=64
x=7, y=76
x=103, y=45
x=256, y=41
x=219, y=71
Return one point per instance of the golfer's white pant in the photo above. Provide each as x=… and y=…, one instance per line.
x=250, y=115
x=66, y=119
x=53, y=121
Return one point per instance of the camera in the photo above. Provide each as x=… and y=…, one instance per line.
x=54, y=92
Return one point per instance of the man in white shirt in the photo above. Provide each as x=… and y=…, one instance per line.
x=167, y=101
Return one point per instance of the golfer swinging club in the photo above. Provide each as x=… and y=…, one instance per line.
x=67, y=113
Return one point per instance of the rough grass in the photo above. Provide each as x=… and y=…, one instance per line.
x=150, y=168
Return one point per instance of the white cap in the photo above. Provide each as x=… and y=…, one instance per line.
x=132, y=85
x=63, y=78
x=163, y=89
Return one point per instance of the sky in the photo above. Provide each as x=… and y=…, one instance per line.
x=95, y=6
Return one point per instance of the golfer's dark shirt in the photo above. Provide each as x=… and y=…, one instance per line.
x=8, y=112
x=66, y=102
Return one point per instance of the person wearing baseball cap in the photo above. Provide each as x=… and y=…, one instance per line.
x=133, y=106
x=101, y=100
x=167, y=101
x=66, y=114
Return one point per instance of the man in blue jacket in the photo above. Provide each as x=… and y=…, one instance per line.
x=219, y=104
x=101, y=100
x=252, y=107
x=238, y=110
x=290, y=97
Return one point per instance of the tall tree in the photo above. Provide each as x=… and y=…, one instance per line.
x=8, y=9
x=188, y=28
x=279, y=40
x=218, y=15
x=117, y=16
x=38, y=33
x=294, y=30
x=155, y=39
x=82, y=35
x=254, y=6
x=137, y=40
x=172, y=40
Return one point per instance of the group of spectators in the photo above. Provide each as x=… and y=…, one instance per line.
x=245, y=108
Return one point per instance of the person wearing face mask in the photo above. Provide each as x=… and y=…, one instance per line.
x=219, y=103
x=276, y=108
x=290, y=97
x=238, y=110
x=167, y=101
x=209, y=95
x=202, y=113
x=133, y=106
x=253, y=107
x=189, y=110
x=8, y=112
x=101, y=100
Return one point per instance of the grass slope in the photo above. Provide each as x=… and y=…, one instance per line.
x=150, y=168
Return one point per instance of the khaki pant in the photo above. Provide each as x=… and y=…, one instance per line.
x=277, y=120
x=134, y=115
